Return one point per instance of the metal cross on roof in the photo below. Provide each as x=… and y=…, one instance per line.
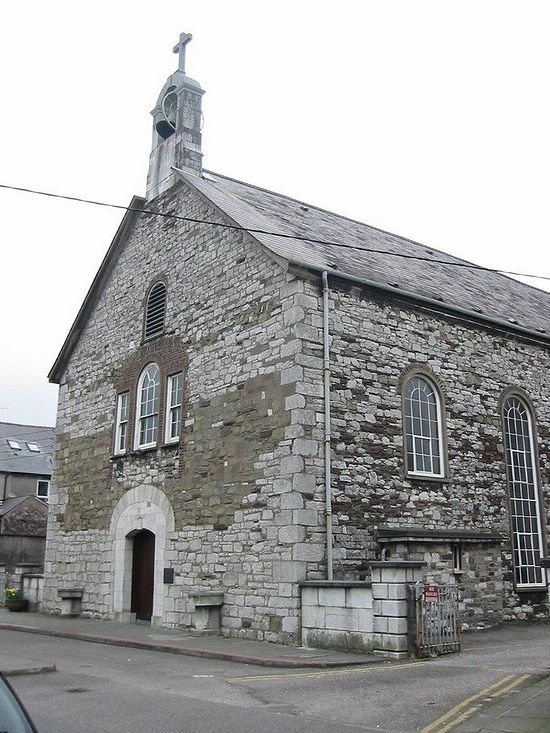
x=179, y=48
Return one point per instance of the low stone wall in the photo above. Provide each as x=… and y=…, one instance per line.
x=337, y=614
x=358, y=615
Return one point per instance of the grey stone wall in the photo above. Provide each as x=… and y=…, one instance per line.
x=479, y=578
x=245, y=483
x=375, y=342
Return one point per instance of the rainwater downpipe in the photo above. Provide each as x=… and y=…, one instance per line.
x=327, y=441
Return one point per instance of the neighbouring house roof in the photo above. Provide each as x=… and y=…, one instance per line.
x=10, y=504
x=24, y=459
x=24, y=516
x=443, y=282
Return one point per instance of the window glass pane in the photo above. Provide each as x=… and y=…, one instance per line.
x=124, y=407
x=122, y=422
x=43, y=489
x=173, y=407
x=175, y=422
x=122, y=437
x=149, y=405
x=523, y=487
x=422, y=438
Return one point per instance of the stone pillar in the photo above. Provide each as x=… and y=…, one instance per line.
x=24, y=568
x=32, y=590
x=3, y=583
x=390, y=579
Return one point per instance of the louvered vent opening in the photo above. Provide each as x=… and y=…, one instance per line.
x=156, y=308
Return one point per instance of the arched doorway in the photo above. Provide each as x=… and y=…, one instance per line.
x=143, y=574
x=144, y=507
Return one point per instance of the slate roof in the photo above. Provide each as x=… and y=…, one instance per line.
x=25, y=460
x=10, y=504
x=473, y=293
x=485, y=295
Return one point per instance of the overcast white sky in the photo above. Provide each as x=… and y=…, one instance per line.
x=429, y=118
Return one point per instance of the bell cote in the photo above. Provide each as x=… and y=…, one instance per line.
x=177, y=123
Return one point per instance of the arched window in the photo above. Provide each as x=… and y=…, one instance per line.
x=155, y=311
x=423, y=428
x=524, y=493
x=147, y=402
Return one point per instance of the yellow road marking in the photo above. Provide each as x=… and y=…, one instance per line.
x=325, y=672
x=461, y=718
x=465, y=703
x=498, y=688
x=509, y=687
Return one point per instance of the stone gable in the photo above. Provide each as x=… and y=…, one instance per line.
x=245, y=481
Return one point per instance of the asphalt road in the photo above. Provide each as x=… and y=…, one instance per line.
x=101, y=689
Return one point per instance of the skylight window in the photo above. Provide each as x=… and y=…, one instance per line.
x=14, y=444
x=33, y=447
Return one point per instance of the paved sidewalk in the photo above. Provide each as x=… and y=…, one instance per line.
x=524, y=711
x=142, y=636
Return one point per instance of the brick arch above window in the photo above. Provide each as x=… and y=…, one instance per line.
x=523, y=395
x=171, y=358
x=428, y=373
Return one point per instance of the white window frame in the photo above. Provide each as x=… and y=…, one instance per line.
x=153, y=414
x=171, y=407
x=414, y=471
x=120, y=421
x=518, y=491
x=43, y=481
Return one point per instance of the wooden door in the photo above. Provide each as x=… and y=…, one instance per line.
x=143, y=574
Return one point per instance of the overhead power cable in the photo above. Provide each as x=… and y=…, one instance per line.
x=27, y=437
x=295, y=237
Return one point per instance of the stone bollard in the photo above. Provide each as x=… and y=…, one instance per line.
x=71, y=601
x=207, y=618
x=32, y=589
x=390, y=579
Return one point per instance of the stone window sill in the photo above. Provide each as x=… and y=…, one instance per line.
x=143, y=451
x=417, y=479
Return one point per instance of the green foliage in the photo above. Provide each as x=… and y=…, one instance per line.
x=13, y=594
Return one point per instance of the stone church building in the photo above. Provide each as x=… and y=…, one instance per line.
x=257, y=392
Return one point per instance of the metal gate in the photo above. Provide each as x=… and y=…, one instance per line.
x=435, y=619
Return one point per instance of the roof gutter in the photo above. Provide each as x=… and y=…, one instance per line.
x=439, y=306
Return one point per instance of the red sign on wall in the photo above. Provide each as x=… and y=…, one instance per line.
x=431, y=593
